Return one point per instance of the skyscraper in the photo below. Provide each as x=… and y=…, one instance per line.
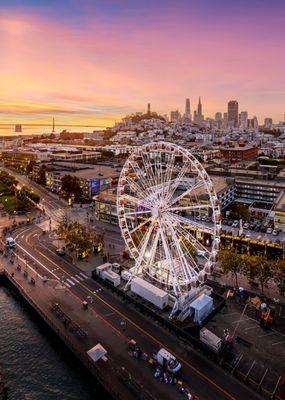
x=243, y=119
x=198, y=116
x=268, y=123
x=187, y=114
x=199, y=110
x=175, y=116
x=218, y=116
x=233, y=113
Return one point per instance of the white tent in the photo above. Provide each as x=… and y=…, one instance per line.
x=201, y=307
x=97, y=352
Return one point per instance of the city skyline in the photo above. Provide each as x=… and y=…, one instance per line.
x=103, y=61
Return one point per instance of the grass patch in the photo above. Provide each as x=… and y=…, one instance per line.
x=11, y=204
x=3, y=187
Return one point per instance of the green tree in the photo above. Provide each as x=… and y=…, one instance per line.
x=8, y=180
x=232, y=262
x=251, y=267
x=70, y=186
x=265, y=272
x=42, y=175
x=239, y=211
x=258, y=268
x=279, y=275
x=78, y=238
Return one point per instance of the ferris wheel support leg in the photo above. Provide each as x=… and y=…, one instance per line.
x=174, y=309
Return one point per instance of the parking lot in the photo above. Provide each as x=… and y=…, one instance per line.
x=259, y=354
x=254, y=229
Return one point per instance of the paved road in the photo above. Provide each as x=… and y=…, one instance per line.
x=203, y=377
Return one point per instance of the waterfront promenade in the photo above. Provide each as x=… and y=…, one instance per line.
x=119, y=372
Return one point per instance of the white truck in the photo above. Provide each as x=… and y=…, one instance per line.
x=167, y=361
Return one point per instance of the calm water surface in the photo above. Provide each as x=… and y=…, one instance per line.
x=36, y=367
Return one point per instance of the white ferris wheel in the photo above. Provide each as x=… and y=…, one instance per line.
x=164, y=196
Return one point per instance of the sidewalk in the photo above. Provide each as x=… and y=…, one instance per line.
x=271, y=291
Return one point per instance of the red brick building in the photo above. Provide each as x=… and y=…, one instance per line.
x=238, y=153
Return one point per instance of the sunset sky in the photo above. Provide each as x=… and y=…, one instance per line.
x=93, y=61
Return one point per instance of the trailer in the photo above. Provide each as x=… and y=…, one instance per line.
x=104, y=267
x=112, y=277
x=149, y=292
x=211, y=340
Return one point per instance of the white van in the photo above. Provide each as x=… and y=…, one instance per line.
x=10, y=242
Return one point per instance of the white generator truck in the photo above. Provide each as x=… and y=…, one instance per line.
x=167, y=361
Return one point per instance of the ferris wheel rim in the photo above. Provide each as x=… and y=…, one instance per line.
x=147, y=198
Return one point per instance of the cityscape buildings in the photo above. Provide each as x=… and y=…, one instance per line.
x=142, y=200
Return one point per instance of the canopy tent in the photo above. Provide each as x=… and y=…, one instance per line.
x=97, y=352
x=201, y=307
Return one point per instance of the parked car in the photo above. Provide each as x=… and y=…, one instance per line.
x=246, y=225
x=198, y=218
x=225, y=221
x=230, y=222
x=235, y=223
x=60, y=252
x=208, y=219
x=251, y=227
x=275, y=232
x=263, y=229
x=269, y=231
x=203, y=218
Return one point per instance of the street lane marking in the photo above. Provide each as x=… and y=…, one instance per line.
x=275, y=344
x=71, y=282
x=67, y=284
x=84, y=276
x=79, y=277
x=267, y=334
x=37, y=261
x=252, y=327
x=76, y=280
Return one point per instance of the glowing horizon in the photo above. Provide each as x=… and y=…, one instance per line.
x=93, y=62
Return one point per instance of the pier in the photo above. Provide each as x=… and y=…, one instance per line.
x=81, y=329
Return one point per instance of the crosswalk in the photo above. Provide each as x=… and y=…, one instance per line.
x=75, y=279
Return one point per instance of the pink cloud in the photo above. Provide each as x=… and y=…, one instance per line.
x=162, y=60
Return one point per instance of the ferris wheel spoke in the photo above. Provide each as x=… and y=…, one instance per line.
x=190, y=207
x=150, y=260
x=187, y=250
x=183, y=261
x=140, y=225
x=144, y=183
x=178, y=179
x=196, y=186
x=137, y=201
x=197, y=245
x=149, y=170
x=127, y=214
x=145, y=239
x=189, y=222
x=138, y=190
x=168, y=174
x=169, y=259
